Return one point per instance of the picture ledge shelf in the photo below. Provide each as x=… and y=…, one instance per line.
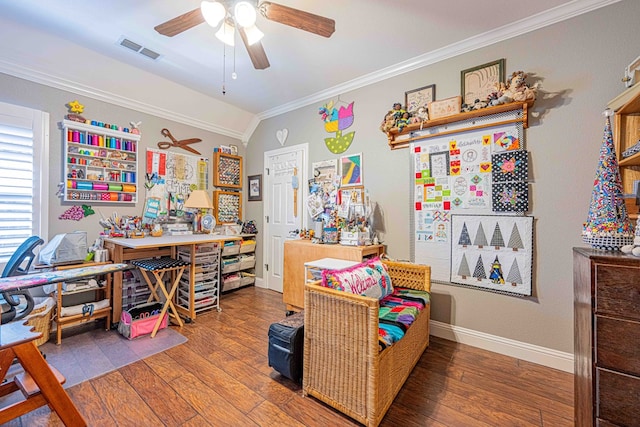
x=395, y=142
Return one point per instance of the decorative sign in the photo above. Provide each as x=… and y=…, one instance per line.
x=337, y=120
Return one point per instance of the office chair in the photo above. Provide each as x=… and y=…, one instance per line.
x=15, y=267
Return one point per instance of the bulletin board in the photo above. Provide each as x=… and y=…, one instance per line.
x=454, y=174
x=171, y=177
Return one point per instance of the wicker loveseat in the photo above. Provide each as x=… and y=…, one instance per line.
x=343, y=365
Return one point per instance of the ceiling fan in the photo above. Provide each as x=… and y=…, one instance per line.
x=241, y=16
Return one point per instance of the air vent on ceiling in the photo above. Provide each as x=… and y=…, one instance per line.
x=149, y=53
x=125, y=42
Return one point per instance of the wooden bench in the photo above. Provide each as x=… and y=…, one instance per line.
x=343, y=365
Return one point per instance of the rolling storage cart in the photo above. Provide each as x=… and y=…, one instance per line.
x=205, y=276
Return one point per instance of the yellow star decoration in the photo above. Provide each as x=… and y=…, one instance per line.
x=75, y=107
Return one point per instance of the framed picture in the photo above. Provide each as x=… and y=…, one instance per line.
x=421, y=97
x=478, y=82
x=444, y=107
x=255, y=188
x=351, y=170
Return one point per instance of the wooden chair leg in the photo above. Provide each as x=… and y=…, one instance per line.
x=169, y=302
x=153, y=287
x=52, y=391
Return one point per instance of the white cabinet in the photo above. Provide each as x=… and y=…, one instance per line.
x=101, y=164
x=238, y=262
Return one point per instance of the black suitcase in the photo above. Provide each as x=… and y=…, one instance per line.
x=285, y=346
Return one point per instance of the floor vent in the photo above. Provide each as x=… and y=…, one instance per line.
x=125, y=42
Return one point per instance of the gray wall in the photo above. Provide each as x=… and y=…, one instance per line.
x=579, y=63
x=22, y=92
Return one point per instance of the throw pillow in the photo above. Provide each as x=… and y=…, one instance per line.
x=369, y=278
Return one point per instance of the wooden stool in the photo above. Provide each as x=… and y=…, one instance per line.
x=40, y=384
x=159, y=266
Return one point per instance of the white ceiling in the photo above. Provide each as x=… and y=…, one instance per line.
x=371, y=38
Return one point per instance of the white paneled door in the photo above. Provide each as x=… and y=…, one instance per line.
x=285, y=192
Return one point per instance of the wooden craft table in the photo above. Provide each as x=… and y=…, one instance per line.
x=123, y=250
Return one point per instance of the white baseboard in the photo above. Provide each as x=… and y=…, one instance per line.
x=529, y=352
x=259, y=282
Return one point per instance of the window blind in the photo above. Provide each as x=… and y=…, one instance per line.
x=23, y=139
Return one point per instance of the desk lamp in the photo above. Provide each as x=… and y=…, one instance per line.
x=199, y=199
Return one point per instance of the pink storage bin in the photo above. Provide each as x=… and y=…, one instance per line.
x=141, y=319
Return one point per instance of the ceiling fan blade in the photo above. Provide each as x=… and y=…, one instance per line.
x=180, y=23
x=297, y=18
x=256, y=52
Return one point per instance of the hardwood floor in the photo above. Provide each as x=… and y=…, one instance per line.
x=220, y=377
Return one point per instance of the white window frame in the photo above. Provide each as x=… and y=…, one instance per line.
x=38, y=122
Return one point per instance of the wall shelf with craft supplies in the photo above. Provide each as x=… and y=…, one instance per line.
x=416, y=131
x=227, y=206
x=626, y=136
x=101, y=164
x=227, y=170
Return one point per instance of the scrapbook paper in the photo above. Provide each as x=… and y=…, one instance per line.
x=437, y=194
x=424, y=226
x=506, y=141
x=471, y=191
x=422, y=164
x=439, y=164
x=441, y=226
x=511, y=197
x=510, y=166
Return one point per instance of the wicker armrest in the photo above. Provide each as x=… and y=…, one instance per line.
x=409, y=275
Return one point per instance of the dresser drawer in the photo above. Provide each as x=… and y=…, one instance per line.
x=618, y=291
x=618, y=344
x=618, y=397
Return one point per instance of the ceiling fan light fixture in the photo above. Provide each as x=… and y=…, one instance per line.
x=213, y=12
x=254, y=35
x=245, y=14
x=226, y=34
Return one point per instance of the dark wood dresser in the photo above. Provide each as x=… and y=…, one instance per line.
x=606, y=338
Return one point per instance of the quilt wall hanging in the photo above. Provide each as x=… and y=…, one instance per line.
x=492, y=252
x=336, y=120
x=468, y=172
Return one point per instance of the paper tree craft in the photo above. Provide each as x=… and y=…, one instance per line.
x=607, y=226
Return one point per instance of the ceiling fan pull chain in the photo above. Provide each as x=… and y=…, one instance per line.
x=224, y=67
x=234, y=75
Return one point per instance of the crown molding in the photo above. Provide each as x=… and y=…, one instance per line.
x=57, y=82
x=253, y=124
x=514, y=29
x=523, y=26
